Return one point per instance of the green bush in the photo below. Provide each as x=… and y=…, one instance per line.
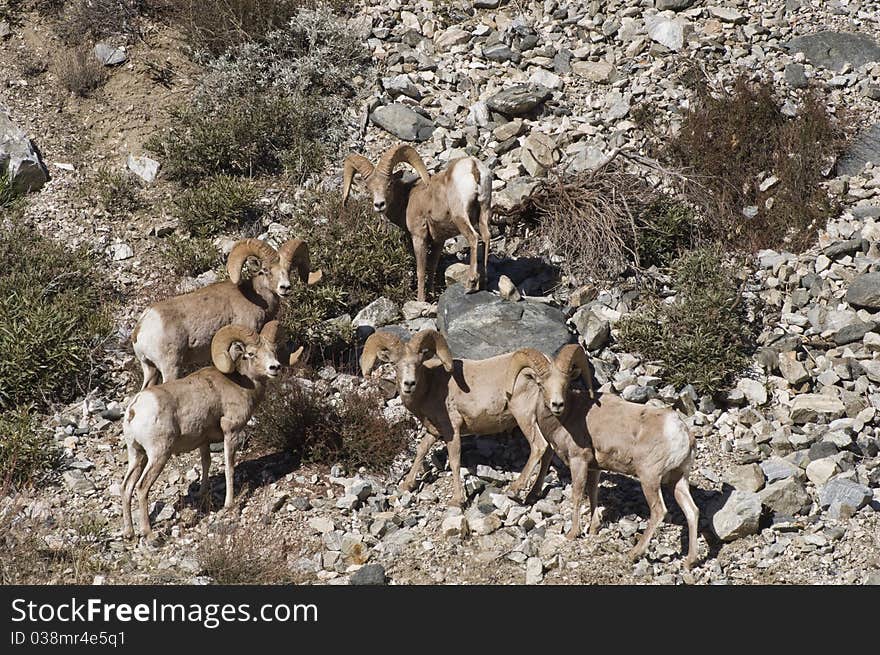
x=191, y=256
x=116, y=191
x=8, y=194
x=26, y=448
x=730, y=141
x=316, y=429
x=218, y=203
x=362, y=257
x=665, y=229
x=244, y=136
x=52, y=317
x=703, y=337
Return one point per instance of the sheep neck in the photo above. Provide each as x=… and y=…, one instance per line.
x=398, y=201
x=258, y=291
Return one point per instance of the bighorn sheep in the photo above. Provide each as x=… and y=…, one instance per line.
x=431, y=209
x=452, y=397
x=605, y=432
x=177, y=332
x=211, y=405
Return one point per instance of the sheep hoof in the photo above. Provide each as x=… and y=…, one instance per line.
x=407, y=485
x=572, y=534
x=635, y=554
x=127, y=533
x=152, y=539
x=456, y=502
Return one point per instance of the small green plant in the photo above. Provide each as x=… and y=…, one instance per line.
x=79, y=71
x=703, y=337
x=191, y=256
x=218, y=203
x=117, y=191
x=8, y=194
x=53, y=317
x=26, y=448
x=362, y=256
x=350, y=429
x=665, y=229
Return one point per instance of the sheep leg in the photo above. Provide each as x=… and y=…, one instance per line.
x=420, y=250
x=485, y=235
x=538, y=446
x=155, y=463
x=593, y=492
x=535, y=491
x=658, y=513
x=205, y=452
x=453, y=447
x=151, y=374
x=473, y=280
x=137, y=460
x=409, y=482
x=229, y=439
x=579, y=476
x=692, y=514
x=170, y=372
x=433, y=263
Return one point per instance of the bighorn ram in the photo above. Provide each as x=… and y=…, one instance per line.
x=177, y=332
x=210, y=405
x=608, y=433
x=455, y=397
x=431, y=209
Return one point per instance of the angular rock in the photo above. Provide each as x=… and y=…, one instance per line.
x=777, y=468
x=19, y=157
x=451, y=38
x=110, y=55
x=674, y=5
x=403, y=122
x=808, y=406
x=864, y=292
x=666, y=32
x=739, y=517
x=454, y=526
x=77, y=482
x=754, y=391
x=369, y=574
x=845, y=492
x=792, y=370
x=518, y=100
x=834, y=49
x=480, y=325
x=593, y=329
x=401, y=85
x=600, y=72
x=378, y=313
x=853, y=332
x=788, y=497
x=819, y=471
x=746, y=477
x=727, y=15
x=145, y=168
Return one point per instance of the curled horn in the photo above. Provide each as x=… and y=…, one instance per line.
x=354, y=163
x=223, y=339
x=432, y=340
x=525, y=358
x=272, y=332
x=248, y=248
x=375, y=342
x=571, y=357
x=295, y=252
x=400, y=154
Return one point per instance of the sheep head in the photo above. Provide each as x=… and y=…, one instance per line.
x=275, y=266
x=379, y=179
x=426, y=350
x=238, y=349
x=553, y=376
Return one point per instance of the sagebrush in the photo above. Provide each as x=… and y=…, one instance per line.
x=191, y=256
x=703, y=337
x=349, y=429
x=216, y=204
x=26, y=447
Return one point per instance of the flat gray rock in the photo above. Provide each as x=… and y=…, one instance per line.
x=481, y=325
x=739, y=517
x=518, y=100
x=674, y=5
x=403, y=122
x=110, y=55
x=834, y=49
x=862, y=149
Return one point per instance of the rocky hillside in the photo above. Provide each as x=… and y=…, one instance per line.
x=787, y=468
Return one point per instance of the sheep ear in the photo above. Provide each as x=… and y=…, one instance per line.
x=432, y=362
x=384, y=355
x=236, y=350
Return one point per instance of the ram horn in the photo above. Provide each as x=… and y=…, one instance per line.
x=403, y=154
x=354, y=163
x=295, y=252
x=248, y=248
x=522, y=359
x=572, y=357
x=376, y=342
x=273, y=332
x=224, y=338
x=433, y=341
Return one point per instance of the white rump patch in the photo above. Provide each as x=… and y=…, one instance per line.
x=463, y=181
x=678, y=440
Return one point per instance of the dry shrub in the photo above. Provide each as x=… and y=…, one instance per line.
x=589, y=219
x=26, y=448
x=730, y=141
x=239, y=555
x=79, y=71
x=191, y=256
x=349, y=429
x=98, y=19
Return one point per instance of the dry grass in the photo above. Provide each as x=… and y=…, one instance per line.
x=239, y=555
x=79, y=71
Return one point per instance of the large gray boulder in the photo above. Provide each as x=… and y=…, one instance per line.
x=480, y=325
x=739, y=517
x=864, y=291
x=834, y=49
x=403, y=122
x=518, y=99
x=19, y=157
